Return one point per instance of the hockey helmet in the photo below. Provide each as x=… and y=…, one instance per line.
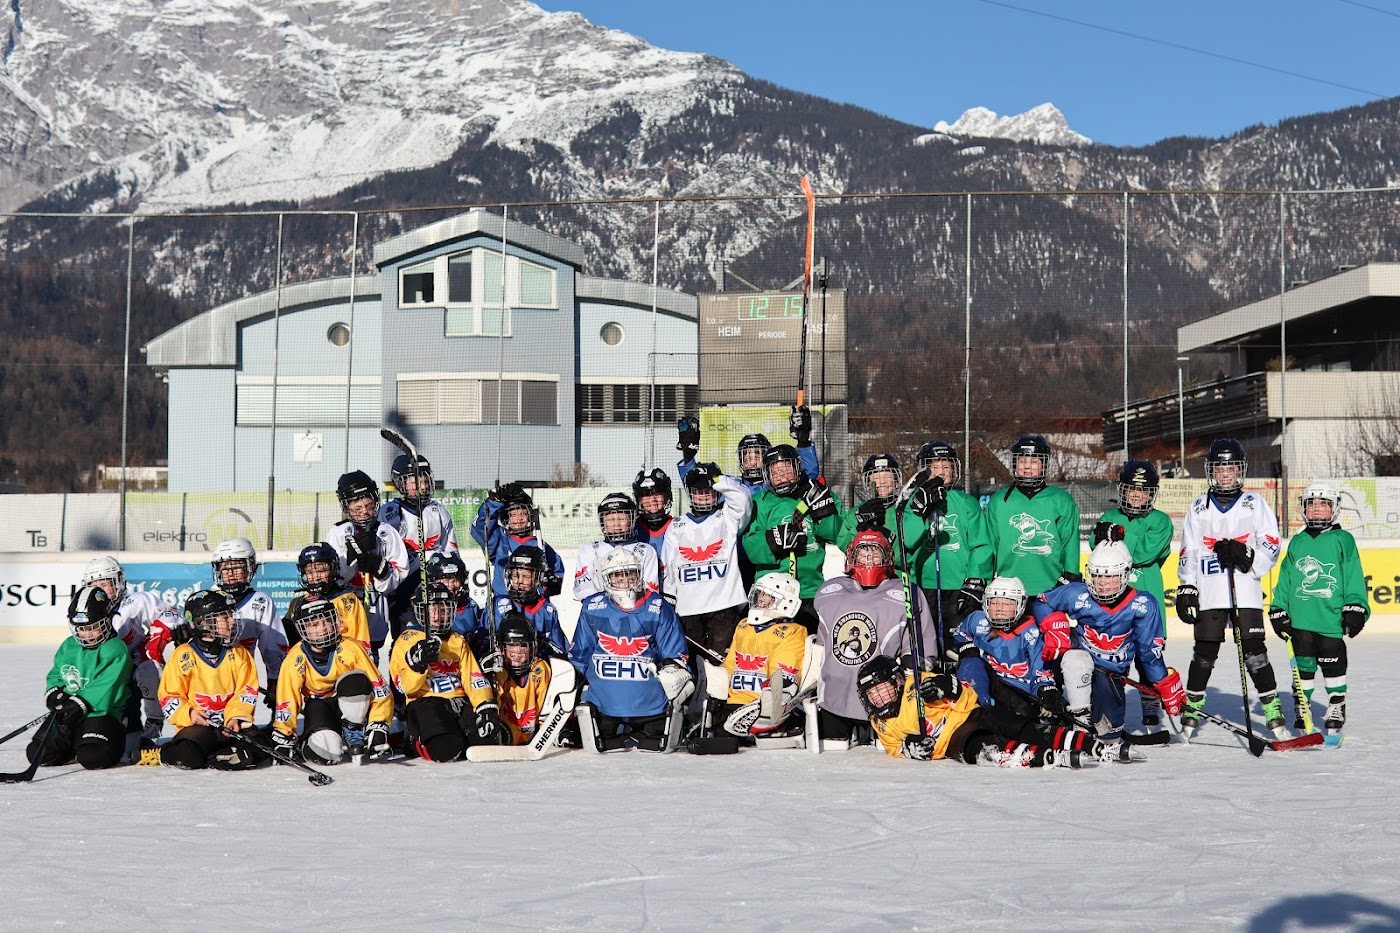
x=880, y=685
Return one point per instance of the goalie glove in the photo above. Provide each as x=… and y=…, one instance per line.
x=674, y=678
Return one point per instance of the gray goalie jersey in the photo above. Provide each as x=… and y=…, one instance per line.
x=857, y=624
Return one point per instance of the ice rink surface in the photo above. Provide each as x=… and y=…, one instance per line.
x=1199, y=838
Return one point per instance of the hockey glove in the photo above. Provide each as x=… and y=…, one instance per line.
x=489, y=730
x=73, y=710
x=367, y=538
x=674, y=677
x=787, y=538
x=800, y=425
x=377, y=738
x=422, y=653
x=1170, y=691
x=917, y=747
x=550, y=584
x=1188, y=603
x=493, y=662
x=820, y=502
x=181, y=634
x=1054, y=630
x=1069, y=576
x=372, y=565
x=1234, y=555
x=689, y=430
x=970, y=597
x=55, y=697
x=507, y=491
x=935, y=687
x=284, y=742
x=1108, y=531
x=269, y=696
x=703, y=475
x=1283, y=625
x=1353, y=619
x=870, y=515
x=930, y=496
x=1052, y=702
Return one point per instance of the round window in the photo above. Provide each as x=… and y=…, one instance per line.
x=339, y=334
x=611, y=333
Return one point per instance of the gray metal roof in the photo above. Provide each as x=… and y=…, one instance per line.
x=616, y=291
x=477, y=221
x=211, y=338
x=1374, y=280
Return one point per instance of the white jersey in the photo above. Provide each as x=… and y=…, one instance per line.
x=137, y=614
x=376, y=591
x=1249, y=520
x=590, y=557
x=701, y=555
x=262, y=632
x=441, y=537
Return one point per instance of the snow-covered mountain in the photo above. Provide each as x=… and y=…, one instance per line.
x=190, y=103
x=1043, y=124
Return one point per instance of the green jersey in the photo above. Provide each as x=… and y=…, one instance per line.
x=101, y=675
x=1319, y=574
x=1149, y=540
x=769, y=509
x=1034, y=538
x=964, y=548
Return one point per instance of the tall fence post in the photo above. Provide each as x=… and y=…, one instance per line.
x=1283, y=356
x=648, y=460
x=126, y=370
x=501, y=342
x=1126, y=453
x=967, y=345
x=350, y=347
x=272, y=419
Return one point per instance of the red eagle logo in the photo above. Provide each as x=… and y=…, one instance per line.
x=525, y=720
x=444, y=666
x=581, y=572
x=212, y=703
x=623, y=646
x=749, y=662
x=1019, y=669
x=1102, y=642
x=701, y=553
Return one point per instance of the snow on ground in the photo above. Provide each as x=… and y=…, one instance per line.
x=1199, y=838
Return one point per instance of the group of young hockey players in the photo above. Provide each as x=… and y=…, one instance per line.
x=958, y=629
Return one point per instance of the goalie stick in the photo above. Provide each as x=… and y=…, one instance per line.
x=547, y=735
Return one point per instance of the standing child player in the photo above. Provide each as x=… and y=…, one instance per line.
x=1147, y=533
x=1034, y=528
x=423, y=522
x=319, y=569
x=89, y=688
x=1229, y=542
x=701, y=555
x=507, y=521
x=372, y=554
x=617, y=520
x=1321, y=596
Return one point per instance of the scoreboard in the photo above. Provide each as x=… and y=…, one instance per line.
x=750, y=345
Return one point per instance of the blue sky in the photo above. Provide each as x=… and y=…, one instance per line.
x=927, y=60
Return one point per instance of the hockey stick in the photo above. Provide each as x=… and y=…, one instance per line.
x=806, y=289
x=25, y=728
x=911, y=603
x=544, y=739
x=404, y=444
x=1301, y=703
x=712, y=655
x=1239, y=650
x=320, y=779
x=1256, y=744
x=27, y=775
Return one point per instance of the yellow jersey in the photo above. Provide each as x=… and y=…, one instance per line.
x=225, y=688
x=455, y=673
x=354, y=622
x=943, y=718
x=754, y=656
x=301, y=678
x=521, y=701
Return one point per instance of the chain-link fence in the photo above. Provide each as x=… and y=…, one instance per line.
x=248, y=358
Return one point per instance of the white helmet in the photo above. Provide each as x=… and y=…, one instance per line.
x=1113, y=563
x=107, y=568
x=784, y=598
x=1327, y=493
x=234, y=550
x=1004, y=588
x=620, y=575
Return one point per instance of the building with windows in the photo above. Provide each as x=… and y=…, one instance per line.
x=481, y=340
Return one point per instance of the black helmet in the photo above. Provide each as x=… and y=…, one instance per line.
x=438, y=624
x=202, y=610
x=940, y=450
x=780, y=453
x=515, y=629
x=881, y=463
x=405, y=468
x=1030, y=445
x=751, y=470
x=319, y=553
x=442, y=566
x=310, y=611
x=1137, y=474
x=521, y=502
x=880, y=669
x=1226, y=452
x=90, y=616
x=352, y=487
x=701, y=477
x=525, y=557
x=617, y=503
x=655, y=483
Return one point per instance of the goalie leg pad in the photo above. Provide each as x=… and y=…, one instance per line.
x=325, y=746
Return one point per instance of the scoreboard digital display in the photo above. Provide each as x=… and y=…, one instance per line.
x=750, y=345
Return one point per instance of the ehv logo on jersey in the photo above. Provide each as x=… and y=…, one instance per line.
x=1033, y=535
x=750, y=673
x=1019, y=669
x=622, y=661
x=1102, y=643
x=284, y=711
x=1319, y=579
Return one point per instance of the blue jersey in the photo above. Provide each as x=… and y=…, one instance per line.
x=617, y=651
x=1113, y=637
x=1017, y=657
x=811, y=465
x=500, y=544
x=543, y=616
x=470, y=622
